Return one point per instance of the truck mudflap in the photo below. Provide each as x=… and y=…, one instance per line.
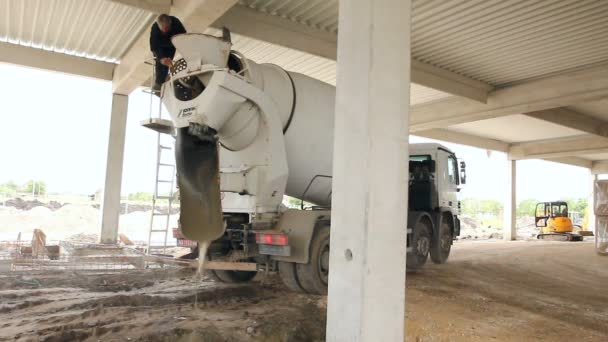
x=413, y=217
x=198, y=178
x=299, y=225
x=456, y=227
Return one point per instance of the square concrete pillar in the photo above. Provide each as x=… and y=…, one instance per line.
x=591, y=204
x=510, y=203
x=110, y=207
x=366, y=300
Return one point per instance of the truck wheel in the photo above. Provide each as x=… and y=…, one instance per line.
x=441, y=244
x=289, y=276
x=313, y=276
x=234, y=276
x=420, y=242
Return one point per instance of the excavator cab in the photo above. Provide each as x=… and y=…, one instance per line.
x=554, y=223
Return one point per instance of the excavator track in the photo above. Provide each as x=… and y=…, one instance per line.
x=560, y=237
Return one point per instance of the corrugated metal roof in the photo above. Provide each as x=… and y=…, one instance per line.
x=496, y=41
x=321, y=14
x=101, y=30
x=506, y=41
x=317, y=67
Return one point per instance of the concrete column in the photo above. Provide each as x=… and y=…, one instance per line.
x=110, y=208
x=510, y=204
x=369, y=205
x=591, y=204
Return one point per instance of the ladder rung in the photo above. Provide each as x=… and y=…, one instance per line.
x=164, y=181
x=164, y=197
x=165, y=147
x=160, y=214
x=165, y=164
x=158, y=231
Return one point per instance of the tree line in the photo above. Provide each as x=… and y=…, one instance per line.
x=34, y=187
x=475, y=207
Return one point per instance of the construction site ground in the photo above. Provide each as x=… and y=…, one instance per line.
x=489, y=290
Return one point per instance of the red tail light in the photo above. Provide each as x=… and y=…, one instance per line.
x=272, y=239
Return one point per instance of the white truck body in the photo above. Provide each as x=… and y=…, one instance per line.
x=275, y=132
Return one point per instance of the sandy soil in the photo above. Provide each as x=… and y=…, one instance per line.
x=70, y=219
x=552, y=291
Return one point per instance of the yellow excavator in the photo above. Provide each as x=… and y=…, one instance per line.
x=554, y=223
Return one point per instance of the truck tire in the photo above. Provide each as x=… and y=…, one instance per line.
x=420, y=242
x=234, y=276
x=441, y=244
x=313, y=276
x=289, y=276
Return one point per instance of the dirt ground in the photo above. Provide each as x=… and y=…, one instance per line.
x=554, y=291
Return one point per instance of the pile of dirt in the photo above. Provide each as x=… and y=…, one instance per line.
x=131, y=208
x=72, y=219
x=472, y=229
x=469, y=223
x=21, y=204
x=83, y=238
x=125, y=208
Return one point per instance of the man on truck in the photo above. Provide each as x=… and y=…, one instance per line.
x=162, y=31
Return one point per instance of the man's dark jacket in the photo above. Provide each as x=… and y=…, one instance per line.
x=160, y=43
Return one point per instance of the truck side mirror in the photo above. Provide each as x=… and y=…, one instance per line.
x=463, y=173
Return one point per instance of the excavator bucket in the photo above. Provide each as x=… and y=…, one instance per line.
x=198, y=179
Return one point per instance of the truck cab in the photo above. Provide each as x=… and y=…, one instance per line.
x=449, y=174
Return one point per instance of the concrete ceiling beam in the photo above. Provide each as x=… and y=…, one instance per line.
x=599, y=167
x=464, y=139
x=573, y=161
x=558, y=148
x=556, y=91
x=196, y=15
x=572, y=119
x=277, y=30
x=49, y=60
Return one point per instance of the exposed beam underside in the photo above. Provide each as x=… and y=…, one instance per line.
x=558, y=148
x=599, y=167
x=556, y=91
x=196, y=16
x=43, y=59
x=464, y=139
x=274, y=29
x=572, y=119
x=574, y=161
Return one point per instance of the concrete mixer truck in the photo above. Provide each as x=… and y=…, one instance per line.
x=246, y=135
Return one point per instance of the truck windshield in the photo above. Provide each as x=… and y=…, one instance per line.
x=420, y=157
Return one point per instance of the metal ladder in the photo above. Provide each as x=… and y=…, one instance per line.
x=167, y=195
x=165, y=175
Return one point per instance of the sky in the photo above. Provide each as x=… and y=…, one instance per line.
x=56, y=128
